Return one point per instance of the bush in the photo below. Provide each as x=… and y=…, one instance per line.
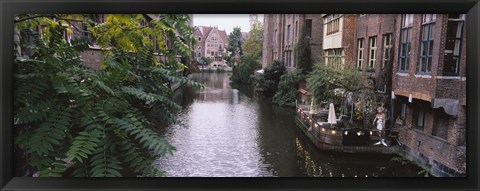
x=287, y=92
x=243, y=72
x=270, y=78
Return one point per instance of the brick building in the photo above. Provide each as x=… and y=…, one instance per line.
x=429, y=81
x=212, y=44
x=282, y=33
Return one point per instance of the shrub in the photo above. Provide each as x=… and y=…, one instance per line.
x=270, y=78
x=243, y=72
x=287, y=93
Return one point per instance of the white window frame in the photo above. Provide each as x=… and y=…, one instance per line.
x=372, y=52
x=360, y=46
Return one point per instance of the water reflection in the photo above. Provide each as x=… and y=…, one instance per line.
x=226, y=131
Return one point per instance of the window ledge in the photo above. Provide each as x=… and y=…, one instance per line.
x=402, y=74
x=449, y=77
x=422, y=76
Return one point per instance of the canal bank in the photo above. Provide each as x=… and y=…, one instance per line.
x=225, y=131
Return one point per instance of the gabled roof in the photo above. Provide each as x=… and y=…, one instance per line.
x=224, y=37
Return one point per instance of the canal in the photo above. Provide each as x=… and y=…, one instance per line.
x=228, y=132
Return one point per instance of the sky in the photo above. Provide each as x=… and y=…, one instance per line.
x=225, y=21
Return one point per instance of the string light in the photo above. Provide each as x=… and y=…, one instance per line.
x=333, y=132
x=323, y=129
x=346, y=132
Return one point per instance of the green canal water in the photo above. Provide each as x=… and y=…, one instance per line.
x=228, y=132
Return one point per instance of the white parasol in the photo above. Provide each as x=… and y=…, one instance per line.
x=332, y=119
x=313, y=107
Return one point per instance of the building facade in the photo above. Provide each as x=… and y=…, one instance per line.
x=339, y=39
x=282, y=33
x=419, y=61
x=429, y=81
x=212, y=44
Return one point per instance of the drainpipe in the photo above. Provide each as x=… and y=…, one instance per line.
x=390, y=72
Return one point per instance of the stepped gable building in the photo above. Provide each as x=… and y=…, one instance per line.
x=212, y=44
x=282, y=33
x=429, y=81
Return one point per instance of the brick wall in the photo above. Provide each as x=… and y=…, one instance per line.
x=317, y=37
x=92, y=58
x=268, y=32
x=349, y=39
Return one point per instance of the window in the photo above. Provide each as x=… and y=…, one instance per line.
x=334, y=58
x=67, y=34
x=155, y=45
x=453, y=43
x=274, y=40
x=333, y=23
x=403, y=111
x=405, y=40
x=440, y=125
x=419, y=118
x=288, y=58
x=372, y=53
x=387, y=49
x=308, y=28
x=288, y=34
x=426, y=44
x=407, y=20
x=296, y=29
x=360, y=54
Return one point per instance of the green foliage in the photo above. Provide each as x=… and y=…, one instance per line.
x=333, y=84
x=244, y=71
x=205, y=60
x=254, y=43
x=80, y=122
x=234, y=45
x=287, y=93
x=270, y=78
x=328, y=84
x=303, y=53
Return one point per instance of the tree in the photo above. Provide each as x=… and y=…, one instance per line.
x=74, y=121
x=270, y=78
x=234, y=43
x=287, y=93
x=254, y=43
x=244, y=71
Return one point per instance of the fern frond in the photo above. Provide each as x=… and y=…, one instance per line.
x=33, y=113
x=84, y=145
x=50, y=134
x=56, y=169
x=104, y=162
x=150, y=98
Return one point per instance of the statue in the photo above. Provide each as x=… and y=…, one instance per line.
x=379, y=123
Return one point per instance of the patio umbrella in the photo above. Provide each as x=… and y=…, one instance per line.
x=313, y=107
x=332, y=119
